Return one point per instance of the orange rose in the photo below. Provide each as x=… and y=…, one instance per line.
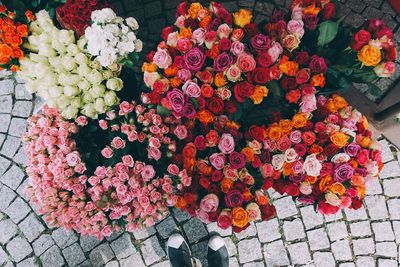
x=149, y=67
x=175, y=82
x=299, y=120
x=170, y=71
x=240, y=217
x=338, y=188
x=180, y=203
x=233, y=125
x=274, y=133
x=340, y=139
x=214, y=51
x=259, y=93
x=205, y=116
x=357, y=180
x=248, y=152
x=353, y=163
x=287, y=169
x=188, y=164
x=219, y=79
x=311, y=10
x=360, y=191
x=242, y=17
x=194, y=10
x=289, y=68
x=226, y=185
x=18, y=53
x=247, y=195
x=203, y=167
x=316, y=149
x=205, y=22
x=22, y=30
x=14, y=68
x=286, y=126
x=185, y=32
x=365, y=142
x=311, y=179
x=370, y=56
x=5, y=50
x=29, y=15
x=318, y=80
x=261, y=198
x=212, y=138
x=325, y=183
x=330, y=105
x=207, y=91
x=189, y=151
x=339, y=101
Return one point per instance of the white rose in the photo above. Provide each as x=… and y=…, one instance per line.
x=81, y=59
x=90, y=111
x=138, y=45
x=305, y=188
x=95, y=77
x=87, y=98
x=84, y=70
x=69, y=112
x=115, y=84
x=132, y=23
x=107, y=74
x=59, y=47
x=46, y=50
x=340, y=158
x=83, y=84
x=111, y=98
x=73, y=79
x=76, y=102
x=71, y=91
x=73, y=49
x=290, y=155
x=68, y=63
x=66, y=37
x=62, y=102
x=312, y=166
x=103, y=15
x=95, y=64
x=62, y=79
x=277, y=161
x=97, y=90
x=41, y=70
x=332, y=199
x=82, y=42
x=55, y=91
x=100, y=105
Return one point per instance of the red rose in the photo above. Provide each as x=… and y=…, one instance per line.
x=264, y=59
x=260, y=75
x=308, y=137
x=382, y=31
x=288, y=83
x=292, y=190
x=255, y=132
x=256, y=163
x=233, y=199
x=277, y=16
x=204, y=182
x=149, y=56
x=230, y=107
x=251, y=29
x=300, y=149
x=274, y=73
x=224, y=220
x=391, y=53
x=279, y=185
x=155, y=98
x=318, y=64
x=200, y=142
x=213, y=189
x=311, y=21
x=238, y=229
x=373, y=25
x=201, y=102
x=243, y=90
x=179, y=62
x=215, y=105
x=327, y=209
x=216, y=176
x=302, y=57
x=327, y=168
x=267, y=211
x=329, y=11
x=302, y=76
x=356, y=203
x=330, y=150
x=224, y=44
x=267, y=184
x=166, y=31
x=320, y=127
x=181, y=9
x=360, y=39
x=293, y=96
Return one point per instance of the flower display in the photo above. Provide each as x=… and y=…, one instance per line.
x=325, y=160
x=59, y=70
x=111, y=38
x=75, y=14
x=97, y=188
x=212, y=62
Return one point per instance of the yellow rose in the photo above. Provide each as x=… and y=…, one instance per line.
x=259, y=93
x=242, y=17
x=340, y=139
x=370, y=55
x=194, y=10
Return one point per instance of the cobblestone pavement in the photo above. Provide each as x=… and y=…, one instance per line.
x=298, y=236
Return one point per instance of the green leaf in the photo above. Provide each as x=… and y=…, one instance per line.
x=374, y=90
x=274, y=87
x=162, y=111
x=327, y=32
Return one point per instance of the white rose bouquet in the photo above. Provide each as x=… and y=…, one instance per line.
x=59, y=70
x=112, y=39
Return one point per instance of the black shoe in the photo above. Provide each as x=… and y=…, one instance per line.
x=178, y=251
x=217, y=252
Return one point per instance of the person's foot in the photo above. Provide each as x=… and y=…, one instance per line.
x=217, y=252
x=178, y=251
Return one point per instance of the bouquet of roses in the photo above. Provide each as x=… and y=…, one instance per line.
x=325, y=160
x=123, y=178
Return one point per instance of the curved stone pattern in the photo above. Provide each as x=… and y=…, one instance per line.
x=298, y=236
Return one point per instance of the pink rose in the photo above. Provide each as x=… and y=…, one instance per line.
x=154, y=153
x=81, y=120
x=118, y=143
x=194, y=59
x=103, y=124
x=107, y=230
x=181, y=132
x=267, y=170
x=209, y=203
x=80, y=168
x=172, y=39
x=202, y=216
x=233, y=73
x=246, y=62
x=107, y=152
x=125, y=108
x=184, y=74
x=237, y=48
x=295, y=136
x=385, y=69
x=183, y=44
x=198, y=35
x=275, y=51
x=128, y=161
x=162, y=58
x=226, y=143
x=173, y=169
x=223, y=31
x=217, y=160
x=191, y=89
x=308, y=103
x=148, y=173
x=73, y=159
x=210, y=38
x=296, y=27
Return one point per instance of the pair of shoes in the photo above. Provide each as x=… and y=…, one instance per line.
x=180, y=256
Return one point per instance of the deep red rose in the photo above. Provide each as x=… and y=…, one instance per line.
x=243, y=90
x=239, y=186
x=256, y=163
x=260, y=75
x=224, y=44
x=327, y=209
x=309, y=126
x=267, y=184
x=237, y=160
x=255, y=132
x=179, y=62
x=224, y=220
x=274, y=73
x=308, y=137
x=327, y=168
x=382, y=31
x=329, y=11
x=330, y=150
x=181, y=9
x=391, y=53
x=213, y=189
x=281, y=26
x=215, y=105
x=213, y=216
x=201, y=102
x=264, y=59
x=191, y=23
x=267, y=211
x=293, y=96
x=300, y=149
x=356, y=203
x=360, y=39
x=251, y=29
x=277, y=16
x=233, y=199
x=318, y=64
x=302, y=57
x=216, y=176
x=149, y=56
x=373, y=25
x=311, y=21
x=200, y=142
x=230, y=107
x=288, y=83
x=302, y=76
x=166, y=31
x=279, y=186
x=292, y=190
x=204, y=182
x=155, y=97
x=238, y=229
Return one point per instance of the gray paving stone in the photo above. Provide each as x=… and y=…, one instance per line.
x=21, y=190
x=390, y=169
x=64, y=238
x=52, y=257
x=199, y=251
x=123, y=246
x=333, y=217
x=394, y=208
x=85, y=264
x=386, y=249
x=268, y=230
x=323, y=259
x=337, y=231
x=114, y=235
x=248, y=232
x=5, y=120
x=355, y=215
x=4, y=164
x=213, y=228
x=5, y=104
x=194, y=230
x=376, y=207
x=392, y=187
x=20, y=157
x=2, y=138
x=21, y=93
x=318, y=239
x=383, y=231
x=341, y=249
x=73, y=254
x=17, y=127
x=101, y=255
x=313, y=218
x=152, y=250
x=18, y=248
x=17, y=210
x=162, y=264
x=387, y=263
x=31, y=227
x=181, y=216
x=293, y=230
x=249, y=250
x=112, y=264
x=166, y=227
x=232, y=250
x=43, y=243
x=6, y=197
x=29, y=262
x=4, y=258
x=374, y=187
x=254, y=264
x=6, y=87
x=354, y=19
x=8, y=229
x=299, y=253
x=233, y=262
x=143, y=234
x=396, y=228
x=13, y=177
x=365, y=262
x=22, y=109
x=285, y=207
x=347, y=264
x=360, y=229
x=88, y=242
x=364, y=246
x=10, y=146
x=387, y=154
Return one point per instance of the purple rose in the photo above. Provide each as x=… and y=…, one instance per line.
x=296, y=178
x=260, y=43
x=223, y=62
x=188, y=110
x=237, y=160
x=343, y=172
x=177, y=100
x=234, y=199
x=352, y=149
x=194, y=59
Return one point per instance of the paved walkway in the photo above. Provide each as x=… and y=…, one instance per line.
x=298, y=236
